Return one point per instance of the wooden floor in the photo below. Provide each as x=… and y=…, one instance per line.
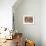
x=13, y=41
x=9, y=43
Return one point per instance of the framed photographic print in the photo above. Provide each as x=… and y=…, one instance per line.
x=28, y=19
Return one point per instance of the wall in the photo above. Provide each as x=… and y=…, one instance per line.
x=29, y=7
x=6, y=13
x=43, y=22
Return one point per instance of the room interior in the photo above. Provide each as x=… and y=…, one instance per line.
x=23, y=23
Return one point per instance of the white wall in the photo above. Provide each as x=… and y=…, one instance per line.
x=29, y=7
x=43, y=22
x=6, y=13
x=25, y=9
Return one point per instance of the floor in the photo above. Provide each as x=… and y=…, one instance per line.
x=9, y=43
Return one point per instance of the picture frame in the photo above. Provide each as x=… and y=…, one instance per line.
x=28, y=19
